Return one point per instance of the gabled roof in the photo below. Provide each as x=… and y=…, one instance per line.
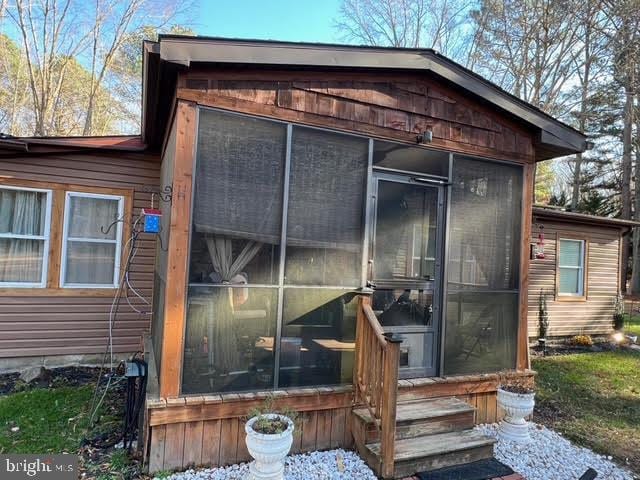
x=548, y=213
x=163, y=58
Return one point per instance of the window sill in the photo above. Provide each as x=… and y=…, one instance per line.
x=571, y=298
x=56, y=292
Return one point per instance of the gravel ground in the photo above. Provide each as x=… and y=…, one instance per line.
x=551, y=456
x=329, y=465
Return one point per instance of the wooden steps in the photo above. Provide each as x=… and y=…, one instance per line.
x=430, y=434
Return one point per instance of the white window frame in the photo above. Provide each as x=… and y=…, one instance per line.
x=46, y=237
x=580, y=268
x=117, y=241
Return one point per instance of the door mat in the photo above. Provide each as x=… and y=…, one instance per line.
x=480, y=470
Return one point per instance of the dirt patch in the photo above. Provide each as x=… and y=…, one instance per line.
x=49, y=378
x=556, y=349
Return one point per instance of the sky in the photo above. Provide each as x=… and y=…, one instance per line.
x=302, y=20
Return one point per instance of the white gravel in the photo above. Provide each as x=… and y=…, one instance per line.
x=551, y=456
x=329, y=465
x=548, y=456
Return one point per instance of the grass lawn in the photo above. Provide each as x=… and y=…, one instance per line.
x=49, y=420
x=594, y=400
x=632, y=325
x=56, y=420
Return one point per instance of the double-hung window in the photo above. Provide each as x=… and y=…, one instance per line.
x=91, y=242
x=25, y=219
x=571, y=267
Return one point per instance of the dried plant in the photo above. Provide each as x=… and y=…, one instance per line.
x=582, y=341
x=543, y=315
x=618, y=312
x=515, y=383
x=272, y=425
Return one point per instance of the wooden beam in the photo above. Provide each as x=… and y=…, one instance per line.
x=528, y=181
x=238, y=408
x=177, y=264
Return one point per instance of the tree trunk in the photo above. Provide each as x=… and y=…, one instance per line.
x=626, y=181
x=635, y=271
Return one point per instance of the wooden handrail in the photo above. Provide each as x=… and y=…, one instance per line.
x=376, y=379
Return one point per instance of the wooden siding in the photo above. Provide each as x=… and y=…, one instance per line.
x=38, y=322
x=593, y=315
x=397, y=107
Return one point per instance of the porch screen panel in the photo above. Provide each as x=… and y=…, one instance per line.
x=325, y=225
x=234, y=257
x=483, y=267
x=325, y=216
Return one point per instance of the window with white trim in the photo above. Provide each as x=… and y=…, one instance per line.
x=571, y=267
x=91, y=241
x=25, y=224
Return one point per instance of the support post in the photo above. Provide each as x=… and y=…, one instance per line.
x=528, y=180
x=178, y=258
x=390, y=397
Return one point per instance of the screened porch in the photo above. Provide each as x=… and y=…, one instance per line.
x=290, y=225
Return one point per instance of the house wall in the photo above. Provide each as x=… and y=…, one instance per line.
x=69, y=322
x=593, y=315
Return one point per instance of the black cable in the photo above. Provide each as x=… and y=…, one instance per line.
x=136, y=391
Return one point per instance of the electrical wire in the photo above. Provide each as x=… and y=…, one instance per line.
x=115, y=304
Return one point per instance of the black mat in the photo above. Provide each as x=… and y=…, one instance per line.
x=481, y=470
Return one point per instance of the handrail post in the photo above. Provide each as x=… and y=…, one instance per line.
x=388, y=420
x=362, y=301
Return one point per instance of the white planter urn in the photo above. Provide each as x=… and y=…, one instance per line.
x=516, y=406
x=268, y=450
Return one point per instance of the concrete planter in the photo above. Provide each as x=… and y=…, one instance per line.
x=516, y=406
x=268, y=450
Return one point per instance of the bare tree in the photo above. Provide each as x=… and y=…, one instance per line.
x=529, y=47
x=59, y=37
x=437, y=24
x=625, y=41
x=591, y=65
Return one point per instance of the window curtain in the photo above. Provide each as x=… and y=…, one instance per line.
x=219, y=309
x=91, y=262
x=21, y=213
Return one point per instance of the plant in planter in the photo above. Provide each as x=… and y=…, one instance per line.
x=269, y=439
x=543, y=321
x=618, y=313
x=516, y=397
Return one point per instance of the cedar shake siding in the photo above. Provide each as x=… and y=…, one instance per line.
x=65, y=321
x=594, y=314
x=397, y=107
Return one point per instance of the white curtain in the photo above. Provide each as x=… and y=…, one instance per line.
x=218, y=314
x=21, y=213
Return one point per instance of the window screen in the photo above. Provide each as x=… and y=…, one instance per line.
x=484, y=253
x=571, y=267
x=235, y=249
x=326, y=206
x=410, y=159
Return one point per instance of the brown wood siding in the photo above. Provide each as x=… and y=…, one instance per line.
x=398, y=107
x=593, y=315
x=62, y=322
